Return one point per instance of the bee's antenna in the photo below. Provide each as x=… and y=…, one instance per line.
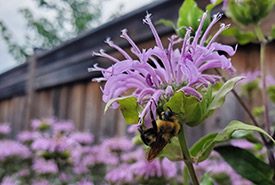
x=170, y=109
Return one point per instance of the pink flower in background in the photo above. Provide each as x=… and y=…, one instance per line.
x=82, y=137
x=85, y=182
x=160, y=72
x=27, y=136
x=5, y=129
x=10, y=149
x=41, y=182
x=121, y=174
x=250, y=76
x=43, y=166
x=122, y=144
x=63, y=127
x=9, y=181
x=42, y=124
x=242, y=143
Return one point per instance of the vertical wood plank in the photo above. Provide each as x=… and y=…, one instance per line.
x=93, y=107
x=64, y=99
x=76, y=106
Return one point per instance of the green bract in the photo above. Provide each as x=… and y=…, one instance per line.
x=249, y=11
x=189, y=14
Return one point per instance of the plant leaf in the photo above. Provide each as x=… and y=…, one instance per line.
x=128, y=107
x=197, y=147
x=110, y=102
x=247, y=165
x=205, y=145
x=172, y=150
x=242, y=37
x=223, y=91
x=206, y=180
x=166, y=23
x=189, y=14
x=272, y=34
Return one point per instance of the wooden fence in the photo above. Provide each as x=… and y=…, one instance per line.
x=56, y=83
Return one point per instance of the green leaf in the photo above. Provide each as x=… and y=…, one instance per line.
x=128, y=107
x=249, y=12
x=242, y=37
x=247, y=165
x=189, y=14
x=271, y=93
x=223, y=91
x=202, y=149
x=166, y=23
x=172, y=150
x=197, y=147
x=206, y=180
x=110, y=102
x=272, y=34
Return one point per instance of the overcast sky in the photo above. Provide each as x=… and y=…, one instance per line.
x=16, y=24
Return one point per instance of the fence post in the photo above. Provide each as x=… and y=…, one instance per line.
x=30, y=90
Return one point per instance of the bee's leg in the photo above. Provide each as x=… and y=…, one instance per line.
x=153, y=120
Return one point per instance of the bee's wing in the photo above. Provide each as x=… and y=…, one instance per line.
x=156, y=148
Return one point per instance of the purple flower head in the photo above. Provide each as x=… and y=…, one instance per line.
x=85, y=182
x=63, y=127
x=120, y=175
x=250, y=77
x=43, y=166
x=41, y=182
x=270, y=80
x=159, y=72
x=9, y=181
x=117, y=144
x=43, y=124
x=5, y=129
x=27, y=136
x=10, y=149
x=82, y=137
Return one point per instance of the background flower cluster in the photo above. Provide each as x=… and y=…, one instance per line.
x=53, y=152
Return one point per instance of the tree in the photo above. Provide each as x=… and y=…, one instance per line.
x=68, y=19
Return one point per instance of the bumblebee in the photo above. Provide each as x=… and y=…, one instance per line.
x=157, y=137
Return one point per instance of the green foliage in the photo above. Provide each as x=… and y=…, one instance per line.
x=242, y=37
x=249, y=11
x=206, y=180
x=247, y=165
x=128, y=107
x=219, y=99
x=167, y=23
x=172, y=150
x=189, y=14
x=257, y=111
x=271, y=93
x=68, y=18
x=17, y=51
x=250, y=86
x=272, y=34
x=202, y=149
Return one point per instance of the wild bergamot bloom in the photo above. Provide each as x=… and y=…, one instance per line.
x=157, y=73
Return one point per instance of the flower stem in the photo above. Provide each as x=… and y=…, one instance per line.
x=263, y=75
x=186, y=157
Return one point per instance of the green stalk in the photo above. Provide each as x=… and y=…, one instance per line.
x=263, y=42
x=187, y=157
x=263, y=75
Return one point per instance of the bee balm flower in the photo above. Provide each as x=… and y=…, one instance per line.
x=157, y=73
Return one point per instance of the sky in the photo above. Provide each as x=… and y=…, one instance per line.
x=9, y=13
